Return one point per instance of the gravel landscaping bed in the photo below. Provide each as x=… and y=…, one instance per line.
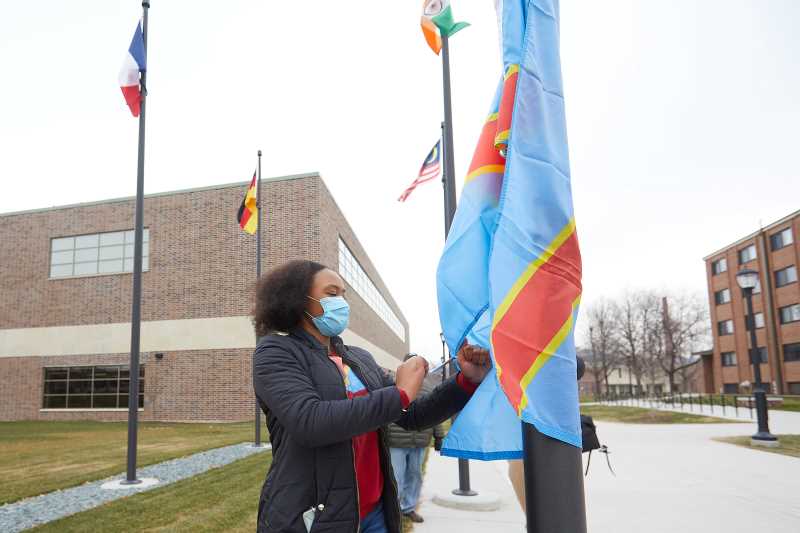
x=30, y=512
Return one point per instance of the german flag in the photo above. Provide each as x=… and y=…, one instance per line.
x=248, y=211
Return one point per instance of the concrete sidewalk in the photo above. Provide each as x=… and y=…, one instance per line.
x=441, y=477
x=669, y=478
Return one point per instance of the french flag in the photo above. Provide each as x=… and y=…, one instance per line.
x=134, y=63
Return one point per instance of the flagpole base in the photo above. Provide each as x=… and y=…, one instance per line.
x=124, y=484
x=485, y=501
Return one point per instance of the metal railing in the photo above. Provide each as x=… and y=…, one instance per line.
x=728, y=404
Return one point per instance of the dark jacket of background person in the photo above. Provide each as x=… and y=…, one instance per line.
x=398, y=437
x=311, y=423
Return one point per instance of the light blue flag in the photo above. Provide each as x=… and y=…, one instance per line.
x=483, y=300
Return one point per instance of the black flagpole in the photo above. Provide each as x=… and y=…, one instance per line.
x=258, y=276
x=136, y=306
x=450, y=209
x=554, y=499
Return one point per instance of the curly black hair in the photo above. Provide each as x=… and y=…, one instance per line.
x=281, y=296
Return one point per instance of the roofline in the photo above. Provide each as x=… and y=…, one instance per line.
x=160, y=194
x=754, y=234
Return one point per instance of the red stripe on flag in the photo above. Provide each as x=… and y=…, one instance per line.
x=535, y=316
x=485, y=152
x=133, y=98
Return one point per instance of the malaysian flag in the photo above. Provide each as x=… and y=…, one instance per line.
x=428, y=172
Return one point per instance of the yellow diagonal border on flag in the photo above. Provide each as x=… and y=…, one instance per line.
x=510, y=71
x=546, y=354
x=487, y=169
x=532, y=268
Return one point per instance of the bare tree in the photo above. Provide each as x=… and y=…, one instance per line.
x=633, y=317
x=602, y=341
x=683, y=326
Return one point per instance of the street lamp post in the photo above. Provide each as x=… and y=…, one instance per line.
x=747, y=280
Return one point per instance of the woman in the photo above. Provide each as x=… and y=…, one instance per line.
x=327, y=405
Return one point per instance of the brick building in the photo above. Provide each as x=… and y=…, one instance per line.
x=774, y=252
x=65, y=300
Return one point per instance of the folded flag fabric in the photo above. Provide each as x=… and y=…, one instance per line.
x=512, y=281
x=430, y=170
x=135, y=62
x=437, y=19
x=248, y=211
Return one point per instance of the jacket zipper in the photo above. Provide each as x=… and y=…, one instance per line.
x=381, y=447
x=352, y=450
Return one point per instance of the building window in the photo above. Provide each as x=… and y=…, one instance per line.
x=725, y=327
x=786, y=276
x=791, y=352
x=722, y=297
x=719, y=266
x=790, y=313
x=89, y=387
x=762, y=354
x=99, y=253
x=794, y=388
x=781, y=239
x=730, y=388
x=353, y=274
x=747, y=254
x=757, y=288
x=728, y=358
x=759, y=318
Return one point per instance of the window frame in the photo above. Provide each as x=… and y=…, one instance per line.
x=790, y=268
x=715, y=266
x=740, y=253
x=777, y=237
x=727, y=386
x=722, y=301
x=794, y=349
x=354, y=274
x=759, y=323
x=729, y=363
x=97, y=247
x=719, y=327
x=82, y=384
x=793, y=309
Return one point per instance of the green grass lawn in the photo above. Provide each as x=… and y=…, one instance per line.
x=790, y=444
x=789, y=404
x=222, y=499
x=39, y=457
x=639, y=415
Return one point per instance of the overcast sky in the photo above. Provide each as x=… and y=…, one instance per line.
x=682, y=118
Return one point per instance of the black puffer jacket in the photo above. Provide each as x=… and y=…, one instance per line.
x=397, y=437
x=311, y=423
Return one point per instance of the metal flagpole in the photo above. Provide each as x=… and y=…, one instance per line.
x=136, y=306
x=258, y=276
x=554, y=499
x=447, y=139
x=450, y=209
x=445, y=188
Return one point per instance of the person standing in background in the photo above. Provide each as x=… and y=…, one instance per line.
x=407, y=448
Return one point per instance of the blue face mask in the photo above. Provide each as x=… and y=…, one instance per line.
x=335, y=316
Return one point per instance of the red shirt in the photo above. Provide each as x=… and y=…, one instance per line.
x=367, y=461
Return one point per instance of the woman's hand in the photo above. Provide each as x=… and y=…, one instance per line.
x=475, y=362
x=410, y=374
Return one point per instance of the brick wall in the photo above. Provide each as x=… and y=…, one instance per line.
x=775, y=334
x=201, y=266
x=214, y=385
